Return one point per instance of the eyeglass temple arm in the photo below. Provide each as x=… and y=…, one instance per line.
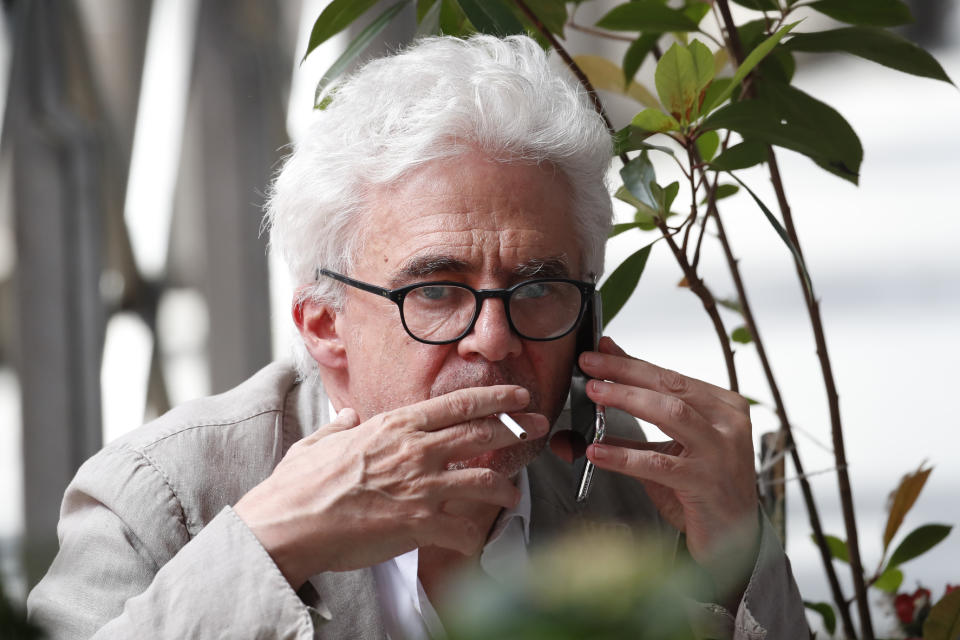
x=380, y=291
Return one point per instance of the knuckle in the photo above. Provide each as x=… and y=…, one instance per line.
x=462, y=405
x=486, y=478
x=741, y=404
x=394, y=421
x=662, y=463
x=675, y=408
x=410, y=447
x=479, y=431
x=673, y=381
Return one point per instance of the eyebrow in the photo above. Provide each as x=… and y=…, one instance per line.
x=427, y=265
x=551, y=267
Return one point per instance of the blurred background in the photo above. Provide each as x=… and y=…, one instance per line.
x=138, y=138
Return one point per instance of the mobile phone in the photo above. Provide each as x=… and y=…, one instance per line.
x=587, y=420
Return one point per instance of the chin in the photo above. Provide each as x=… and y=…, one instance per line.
x=508, y=461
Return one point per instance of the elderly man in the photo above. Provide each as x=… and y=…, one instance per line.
x=444, y=223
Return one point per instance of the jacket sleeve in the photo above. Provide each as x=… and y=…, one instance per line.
x=128, y=568
x=771, y=607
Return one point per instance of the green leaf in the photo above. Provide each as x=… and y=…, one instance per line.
x=758, y=5
x=676, y=80
x=636, y=53
x=453, y=21
x=669, y=195
x=355, y=48
x=871, y=13
x=783, y=236
x=654, y=121
x=783, y=115
x=604, y=74
x=726, y=190
x=632, y=139
x=713, y=91
x=429, y=25
x=779, y=66
x=838, y=548
x=423, y=7
x=552, y=13
x=918, y=542
x=696, y=11
x=618, y=288
x=707, y=145
x=877, y=45
x=617, y=229
x=702, y=63
x=753, y=59
x=637, y=176
x=943, y=621
x=723, y=191
x=733, y=304
x=826, y=612
x=664, y=197
x=890, y=580
x=492, y=17
x=742, y=335
x=644, y=217
x=336, y=17
x=746, y=154
x=902, y=499
x=646, y=15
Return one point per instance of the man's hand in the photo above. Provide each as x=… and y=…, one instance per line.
x=702, y=481
x=352, y=495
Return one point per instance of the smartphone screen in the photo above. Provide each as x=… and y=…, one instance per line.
x=587, y=419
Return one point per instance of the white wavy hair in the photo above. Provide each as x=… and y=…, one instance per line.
x=437, y=99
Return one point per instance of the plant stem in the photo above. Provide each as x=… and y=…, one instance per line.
x=786, y=430
x=700, y=289
x=813, y=309
x=697, y=285
x=597, y=32
x=833, y=400
x=577, y=71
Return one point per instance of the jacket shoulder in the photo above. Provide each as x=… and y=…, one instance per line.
x=207, y=452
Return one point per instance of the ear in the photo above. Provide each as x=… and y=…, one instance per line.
x=317, y=323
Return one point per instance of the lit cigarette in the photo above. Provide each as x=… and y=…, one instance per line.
x=512, y=425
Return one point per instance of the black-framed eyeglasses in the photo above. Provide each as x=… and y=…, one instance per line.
x=443, y=312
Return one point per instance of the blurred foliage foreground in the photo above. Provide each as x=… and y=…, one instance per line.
x=585, y=584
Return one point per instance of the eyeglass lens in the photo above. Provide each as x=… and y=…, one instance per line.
x=539, y=310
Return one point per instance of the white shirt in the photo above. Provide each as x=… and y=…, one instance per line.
x=407, y=612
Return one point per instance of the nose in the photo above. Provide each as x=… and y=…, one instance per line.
x=491, y=337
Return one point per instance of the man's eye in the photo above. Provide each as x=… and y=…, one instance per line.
x=433, y=293
x=533, y=290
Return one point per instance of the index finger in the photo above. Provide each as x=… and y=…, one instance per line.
x=614, y=363
x=463, y=405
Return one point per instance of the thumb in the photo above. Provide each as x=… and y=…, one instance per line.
x=347, y=418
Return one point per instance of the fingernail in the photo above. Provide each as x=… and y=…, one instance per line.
x=591, y=359
x=599, y=387
x=523, y=396
x=599, y=452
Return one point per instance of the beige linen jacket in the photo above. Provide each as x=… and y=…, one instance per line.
x=150, y=547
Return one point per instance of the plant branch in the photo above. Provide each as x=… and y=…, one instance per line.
x=786, y=432
x=846, y=496
x=833, y=400
x=597, y=32
x=698, y=287
x=577, y=71
x=696, y=284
